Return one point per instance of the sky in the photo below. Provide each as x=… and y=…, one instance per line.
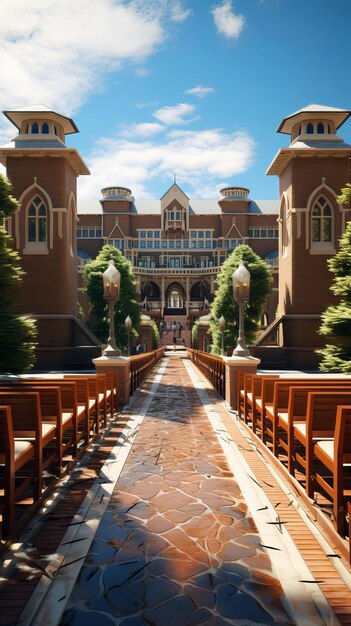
x=191, y=90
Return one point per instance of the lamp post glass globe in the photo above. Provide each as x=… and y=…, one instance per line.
x=112, y=286
x=241, y=293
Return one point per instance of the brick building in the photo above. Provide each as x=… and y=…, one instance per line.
x=176, y=244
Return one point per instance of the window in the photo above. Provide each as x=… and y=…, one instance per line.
x=208, y=234
x=178, y=244
x=37, y=221
x=185, y=243
x=193, y=234
x=193, y=244
x=149, y=244
x=150, y=234
x=35, y=128
x=45, y=129
x=309, y=129
x=201, y=243
x=171, y=243
x=143, y=244
x=156, y=244
x=200, y=234
x=320, y=129
x=322, y=216
x=164, y=244
x=208, y=244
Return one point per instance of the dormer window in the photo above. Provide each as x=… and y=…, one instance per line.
x=45, y=128
x=320, y=129
x=35, y=128
x=309, y=129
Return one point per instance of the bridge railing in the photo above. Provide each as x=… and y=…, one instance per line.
x=141, y=365
x=212, y=367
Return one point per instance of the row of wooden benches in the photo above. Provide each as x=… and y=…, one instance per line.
x=45, y=425
x=306, y=421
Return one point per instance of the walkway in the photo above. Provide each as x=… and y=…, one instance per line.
x=188, y=524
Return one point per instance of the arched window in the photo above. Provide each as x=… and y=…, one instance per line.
x=320, y=128
x=37, y=221
x=175, y=300
x=322, y=221
x=309, y=129
x=45, y=129
x=35, y=128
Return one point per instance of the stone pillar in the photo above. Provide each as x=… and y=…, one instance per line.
x=187, y=295
x=162, y=295
x=236, y=367
x=120, y=366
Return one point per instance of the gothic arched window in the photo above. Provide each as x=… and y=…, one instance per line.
x=37, y=221
x=321, y=221
x=45, y=128
x=35, y=128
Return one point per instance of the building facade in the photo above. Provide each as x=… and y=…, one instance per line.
x=176, y=244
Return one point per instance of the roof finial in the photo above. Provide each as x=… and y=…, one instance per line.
x=174, y=178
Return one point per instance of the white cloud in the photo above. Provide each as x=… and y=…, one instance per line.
x=200, y=91
x=228, y=23
x=202, y=159
x=175, y=114
x=146, y=129
x=144, y=105
x=178, y=13
x=58, y=53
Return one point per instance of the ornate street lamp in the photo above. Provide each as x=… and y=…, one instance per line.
x=221, y=324
x=112, y=286
x=128, y=326
x=241, y=293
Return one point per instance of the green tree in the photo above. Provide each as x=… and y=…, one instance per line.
x=17, y=333
x=224, y=303
x=336, y=319
x=127, y=303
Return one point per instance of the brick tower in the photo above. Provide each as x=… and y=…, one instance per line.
x=311, y=172
x=43, y=172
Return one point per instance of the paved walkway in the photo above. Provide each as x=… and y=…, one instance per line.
x=181, y=528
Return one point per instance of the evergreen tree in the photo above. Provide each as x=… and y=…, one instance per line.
x=224, y=303
x=17, y=334
x=127, y=303
x=336, y=319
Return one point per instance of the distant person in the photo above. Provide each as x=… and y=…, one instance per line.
x=174, y=342
x=139, y=348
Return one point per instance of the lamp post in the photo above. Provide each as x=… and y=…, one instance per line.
x=128, y=326
x=241, y=293
x=112, y=285
x=221, y=324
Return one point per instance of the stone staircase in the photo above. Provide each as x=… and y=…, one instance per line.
x=167, y=337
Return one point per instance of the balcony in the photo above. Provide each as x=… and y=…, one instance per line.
x=177, y=271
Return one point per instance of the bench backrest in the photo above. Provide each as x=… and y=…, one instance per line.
x=25, y=412
x=282, y=388
x=322, y=409
x=6, y=433
x=298, y=396
x=342, y=439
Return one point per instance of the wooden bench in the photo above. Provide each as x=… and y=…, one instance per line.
x=15, y=455
x=295, y=412
x=319, y=425
x=280, y=400
x=69, y=404
x=27, y=426
x=333, y=474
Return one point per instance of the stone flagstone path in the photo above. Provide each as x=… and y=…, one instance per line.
x=176, y=545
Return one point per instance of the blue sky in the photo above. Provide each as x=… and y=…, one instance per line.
x=195, y=88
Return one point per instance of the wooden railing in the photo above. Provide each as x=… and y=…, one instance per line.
x=212, y=367
x=141, y=365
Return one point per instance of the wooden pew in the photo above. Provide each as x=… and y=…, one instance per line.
x=280, y=402
x=69, y=403
x=15, y=455
x=295, y=412
x=334, y=475
x=320, y=425
x=101, y=392
x=27, y=426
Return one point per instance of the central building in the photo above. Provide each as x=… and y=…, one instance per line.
x=177, y=245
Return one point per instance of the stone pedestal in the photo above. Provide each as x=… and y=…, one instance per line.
x=235, y=368
x=120, y=367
